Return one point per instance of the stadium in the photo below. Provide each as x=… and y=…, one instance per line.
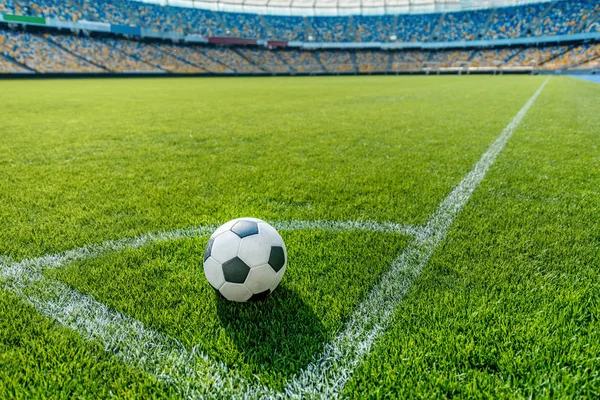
x=315, y=37
x=299, y=199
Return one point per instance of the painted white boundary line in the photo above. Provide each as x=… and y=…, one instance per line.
x=194, y=374
x=111, y=246
x=326, y=377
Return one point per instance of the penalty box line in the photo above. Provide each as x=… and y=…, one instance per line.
x=193, y=373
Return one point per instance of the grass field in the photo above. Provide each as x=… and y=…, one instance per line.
x=109, y=190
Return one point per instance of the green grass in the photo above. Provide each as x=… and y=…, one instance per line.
x=163, y=286
x=506, y=308
x=509, y=306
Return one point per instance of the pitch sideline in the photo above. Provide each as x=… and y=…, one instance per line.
x=193, y=373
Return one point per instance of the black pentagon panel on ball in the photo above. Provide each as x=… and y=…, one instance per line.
x=277, y=258
x=260, y=296
x=235, y=270
x=245, y=228
x=208, y=248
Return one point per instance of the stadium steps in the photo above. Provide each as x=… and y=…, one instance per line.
x=585, y=24
x=438, y=27
x=473, y=52
x=309, y=30
x=545, y=12
x=241, y=54
x=172, y=13
x=222, y=23
x=20, y=64
x=486, y=26
x=557, y=55
x=351, y=29
x=536, y=23
x=182, y=59
x=265, y=27
x=394, y=27
x=216, y=61
x=584, y=61
x=354, y=62
x=289, y=66
x=504, y=62
x=60, y=47
x=319, y=62
x=136, y=57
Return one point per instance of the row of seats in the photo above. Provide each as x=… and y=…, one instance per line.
x=554, y=18
x=36, y=53
x=584, y=56
x=8, y=7
x=24, y=51
x=10, y=67
x=102, y=53
x=373, y=61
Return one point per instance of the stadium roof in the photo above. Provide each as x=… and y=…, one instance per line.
x=341, y=7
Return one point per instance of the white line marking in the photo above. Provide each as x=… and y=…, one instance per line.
x=193, y=373
x=61, y=259
x=326, y=377
x=370, y=226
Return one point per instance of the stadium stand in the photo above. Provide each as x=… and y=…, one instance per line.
x=113, y=11
x=231, y=59
x=337, y=61
x=302, y=61
x=465, y=25
x=329, y=29
x=513, y=22
x=158, y=18
x=575, y=57
x=62, y=10
x=449, y=59
x=492, y=58
x=553, y=18
x=8, y=7
x=46, y=50
x=288, y=28
x=412, y=60
x=267, y=59
x=567, y=17
x=415, y=28
x=99, y=52
x=10, y=67
x=593, y=64
x=153, y=56
x=372, y=61
x=374, y=29
x=196, y=56
x=40, y=55
x=532, y=57
x=202, y=22
x=243, y=25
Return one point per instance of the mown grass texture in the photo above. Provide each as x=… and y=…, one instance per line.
x=87, y=161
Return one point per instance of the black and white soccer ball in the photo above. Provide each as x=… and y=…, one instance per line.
x=245, y=259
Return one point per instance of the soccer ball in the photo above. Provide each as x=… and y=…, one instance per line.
x=245, y=259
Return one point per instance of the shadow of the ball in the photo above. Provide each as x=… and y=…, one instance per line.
x=279, y=334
